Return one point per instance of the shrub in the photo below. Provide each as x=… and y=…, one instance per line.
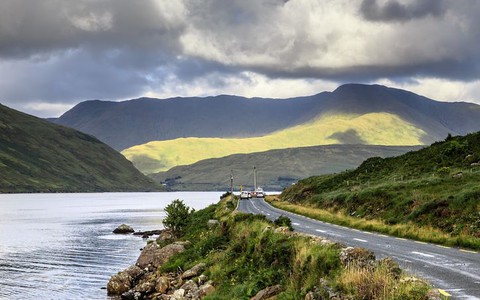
x=284, y=221
x=178, y=216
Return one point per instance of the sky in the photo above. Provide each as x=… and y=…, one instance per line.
x=57, y=53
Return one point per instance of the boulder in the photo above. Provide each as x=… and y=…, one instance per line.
x=123, y=281
x=178, y=294
x=189, y=286
x=268, y=292
x=204, y=290
x=145, y=287
x=359, y=257
x=202, y=279
x=162, y=284
x=131, y=295
x=123, y=229
x=197, y=269
x=154, y=255
x=165, y=235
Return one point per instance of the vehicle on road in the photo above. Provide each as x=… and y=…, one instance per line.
x=245, y=195
x=259, y=193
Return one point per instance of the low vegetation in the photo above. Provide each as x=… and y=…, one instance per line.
x=245, y=253
x=431, y=194
x=370, y=129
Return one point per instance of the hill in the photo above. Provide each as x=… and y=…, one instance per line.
x=371, y=129
x=276, y=169
x=135, y=122
x=436, y=187
x=38, y=156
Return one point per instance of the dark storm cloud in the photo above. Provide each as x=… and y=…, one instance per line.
x=32, y=28
x=64, y=51
x=393, y=10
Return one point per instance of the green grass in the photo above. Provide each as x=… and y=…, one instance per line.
x=245, y=254
x=276, y=169
x=371, y=129
x=415, y=195
x=37, y=156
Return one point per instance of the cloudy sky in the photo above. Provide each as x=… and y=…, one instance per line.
x=56, y=53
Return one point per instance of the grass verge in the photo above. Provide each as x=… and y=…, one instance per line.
x=245, y=253
x=408, y=230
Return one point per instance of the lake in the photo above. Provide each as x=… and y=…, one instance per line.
x=61, y=246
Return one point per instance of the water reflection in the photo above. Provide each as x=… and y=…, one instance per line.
x=60, y=246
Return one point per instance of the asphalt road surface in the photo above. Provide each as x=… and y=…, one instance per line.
x=453, y=270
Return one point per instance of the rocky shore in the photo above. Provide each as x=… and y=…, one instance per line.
x=145, y=280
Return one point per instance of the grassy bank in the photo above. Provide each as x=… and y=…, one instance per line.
x=409, y=230
x=245, y=253
x=431, y=195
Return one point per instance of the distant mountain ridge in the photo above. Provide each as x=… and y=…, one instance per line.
x=135, y=122
x=38, y=156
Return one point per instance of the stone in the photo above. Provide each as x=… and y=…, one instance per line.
x=359, y=257
x=212, y=223
x=204, y=290
x=310, y=296
x=123, y=281
x=189, y=286
x=165, y=235
x=154, y=255
x=162, y=284
x=123, y=229
x=202, y=279
x=179, y=294
x=145, y=287
x=458, y=175
x=193, y=271
x=268, y=292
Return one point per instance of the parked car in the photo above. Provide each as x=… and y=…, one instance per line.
x=245, y=195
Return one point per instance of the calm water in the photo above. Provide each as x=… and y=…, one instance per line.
x=60, y=246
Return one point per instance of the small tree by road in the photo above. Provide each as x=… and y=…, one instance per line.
x=178, y=216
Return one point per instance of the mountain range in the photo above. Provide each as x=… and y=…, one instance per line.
x=38, y=156
x=157, y=135
x=135, y=122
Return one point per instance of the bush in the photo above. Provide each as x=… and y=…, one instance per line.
x=178, y=216
x=284, y=221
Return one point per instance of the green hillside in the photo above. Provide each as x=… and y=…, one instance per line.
x=38, y=156
x=370, y=129
x=436, y=187
x=276, y=169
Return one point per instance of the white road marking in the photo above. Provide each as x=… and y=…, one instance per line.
x=423, y=254
x=322, y=231
x=360, y=240
x=296, y=224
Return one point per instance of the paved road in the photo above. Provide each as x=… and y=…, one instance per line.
x=453, y=270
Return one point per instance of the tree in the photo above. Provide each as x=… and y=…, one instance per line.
x=178, y=217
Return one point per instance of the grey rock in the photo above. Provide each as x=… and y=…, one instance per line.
x=268, y=292
x=154, y=255
x=123, y=229
x=359, y=257
x=123, y=281
x=193, y=271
